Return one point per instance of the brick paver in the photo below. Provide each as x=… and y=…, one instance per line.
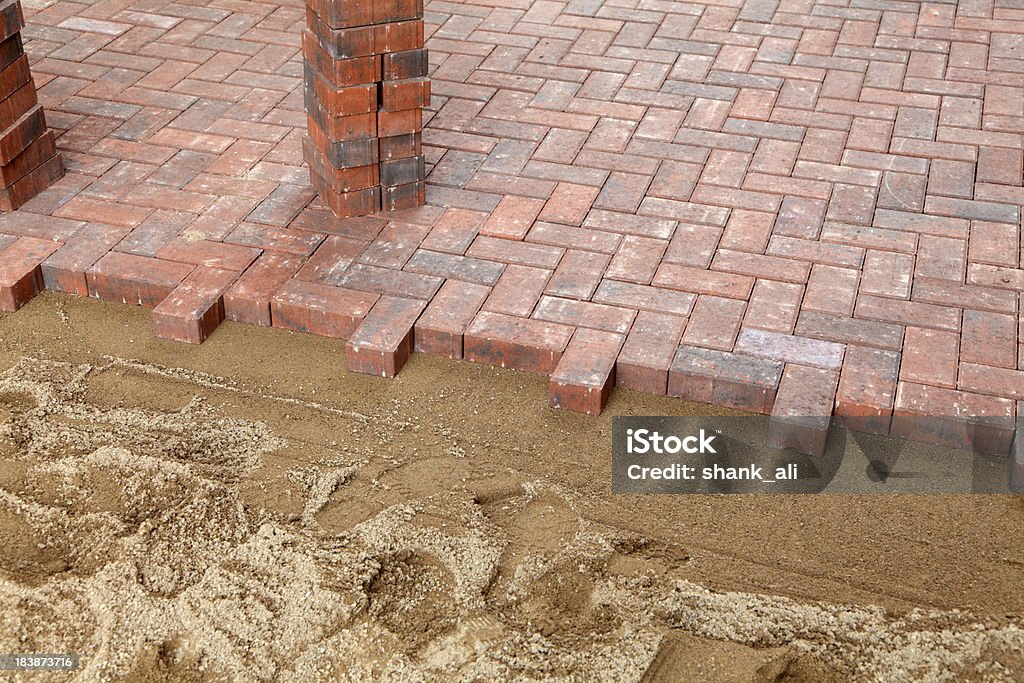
x=742, y=202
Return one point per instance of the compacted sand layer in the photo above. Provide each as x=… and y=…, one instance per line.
x=247, y=510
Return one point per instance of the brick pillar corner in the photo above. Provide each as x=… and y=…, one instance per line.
x=366, y=84
x=29, y=161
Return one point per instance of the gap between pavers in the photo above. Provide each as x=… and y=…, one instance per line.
x=645, y=359
x=65, y=270
x=248, y=300
x=440, y=330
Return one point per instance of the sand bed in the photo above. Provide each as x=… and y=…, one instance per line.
x=295, y=523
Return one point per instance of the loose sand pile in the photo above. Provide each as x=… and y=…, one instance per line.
x=129, y=536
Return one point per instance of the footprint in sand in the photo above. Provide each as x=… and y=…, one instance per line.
x=411, y=596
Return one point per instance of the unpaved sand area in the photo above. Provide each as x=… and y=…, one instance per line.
x=247, y=511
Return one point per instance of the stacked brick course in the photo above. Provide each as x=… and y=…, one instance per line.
x=28, y=154
x=365, y=88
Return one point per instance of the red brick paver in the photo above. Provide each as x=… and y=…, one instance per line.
x=730, y=202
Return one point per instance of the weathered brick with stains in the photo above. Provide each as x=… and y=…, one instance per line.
x=383, y=341
x=648, y=352
x=195, y=308
x=723, y=378
x=949, y=417
x=802, y=413
x=439, y=330
x=867, y=389
x=513, y=342
x=248, y=299
x=320, y=309
x=20, y=275
x=132, y=279
x=585, y=374
x=64, y=270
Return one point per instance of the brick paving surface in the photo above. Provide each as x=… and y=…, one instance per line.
x=789, y=206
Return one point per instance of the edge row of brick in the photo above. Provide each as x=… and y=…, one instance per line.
x=800, y=381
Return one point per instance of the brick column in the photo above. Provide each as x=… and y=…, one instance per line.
x=365, y=88
x=29, y=161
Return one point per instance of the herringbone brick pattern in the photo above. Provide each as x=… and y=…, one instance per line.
x=792, y=206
